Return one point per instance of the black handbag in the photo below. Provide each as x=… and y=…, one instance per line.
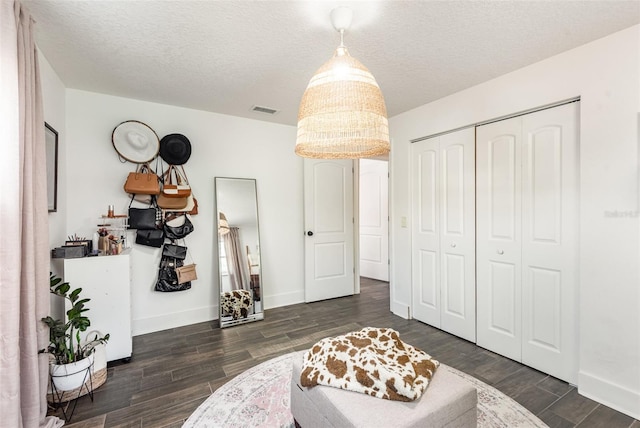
x=178, y=232
x=168, y=278
x=174, y=251
x=150, y=237
x=142, y=218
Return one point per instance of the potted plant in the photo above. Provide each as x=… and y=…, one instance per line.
x=71, y=357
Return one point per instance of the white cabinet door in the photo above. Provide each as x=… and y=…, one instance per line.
x=457, y=234
x=549, y=241
x=106, y=280
x=374, y=219
x=526, y=193
x=425, y=276
x=329, y=239
x=443, y=244
x=499, y=246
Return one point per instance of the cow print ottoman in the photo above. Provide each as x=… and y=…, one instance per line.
x=236, y=303
x=448, y=402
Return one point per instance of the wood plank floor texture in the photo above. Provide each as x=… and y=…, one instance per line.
x=173, y=371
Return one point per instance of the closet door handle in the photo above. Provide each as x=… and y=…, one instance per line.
x=501, y=252
x=309, y=233
x=453, y=245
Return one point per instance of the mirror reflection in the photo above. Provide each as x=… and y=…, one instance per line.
x=238, y=251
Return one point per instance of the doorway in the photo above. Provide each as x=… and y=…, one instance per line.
x=374, y=219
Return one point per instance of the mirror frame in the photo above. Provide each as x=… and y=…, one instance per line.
x=255, y=316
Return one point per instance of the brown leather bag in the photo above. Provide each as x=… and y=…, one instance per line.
x=142, y=182
x=192, y=205
x=175, y=184
x=194, y=211
x=186, y=273
x=171, y=203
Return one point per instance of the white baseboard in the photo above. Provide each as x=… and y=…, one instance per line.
x=174, y=319
x=207, y=313
x=400, y=309
x=283, y=299
x=610, y=394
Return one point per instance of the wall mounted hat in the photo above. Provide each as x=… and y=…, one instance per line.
x=175, y=149
x=135, y=141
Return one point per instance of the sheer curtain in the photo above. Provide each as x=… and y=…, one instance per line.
x=237, y=268
x=23, y=227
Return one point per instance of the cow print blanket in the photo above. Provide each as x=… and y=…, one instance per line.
x=372, y=361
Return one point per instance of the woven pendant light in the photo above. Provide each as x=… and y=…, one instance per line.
x=342, y=113
x=223, y=224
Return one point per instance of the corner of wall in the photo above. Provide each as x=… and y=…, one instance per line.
x=283, y=299
x=168, y=320
x=54, y=109
x=400, y=309
x=610, y=394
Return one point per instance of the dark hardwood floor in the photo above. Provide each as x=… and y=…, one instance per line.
x=173, y=371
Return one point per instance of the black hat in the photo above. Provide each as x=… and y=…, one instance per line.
x=175, y=149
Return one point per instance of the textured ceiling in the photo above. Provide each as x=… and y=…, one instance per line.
x=227, y=56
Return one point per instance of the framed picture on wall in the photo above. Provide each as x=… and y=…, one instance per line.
x=51, y=143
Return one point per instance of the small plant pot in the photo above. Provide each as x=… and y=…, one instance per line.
x=70, y=376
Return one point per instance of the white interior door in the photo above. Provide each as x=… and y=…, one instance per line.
x=499, y=243
x=443, y=239
x=425, y=242
x=526, y=239
x=549, y=240
x=374, y=219
x=329, y=229
x=457, y=234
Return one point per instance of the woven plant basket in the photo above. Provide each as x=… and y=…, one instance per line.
x=98, y=378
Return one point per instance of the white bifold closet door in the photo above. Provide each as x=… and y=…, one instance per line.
x=526, y=196
x=443, y=244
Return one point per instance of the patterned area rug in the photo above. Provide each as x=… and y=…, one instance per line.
x=259, y=397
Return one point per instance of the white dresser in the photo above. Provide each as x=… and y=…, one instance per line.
x=106, y=280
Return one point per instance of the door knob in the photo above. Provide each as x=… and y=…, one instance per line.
x=310, y=233
x=501, y=252
x=453, y=245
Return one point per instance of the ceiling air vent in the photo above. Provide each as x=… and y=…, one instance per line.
x=265, y=110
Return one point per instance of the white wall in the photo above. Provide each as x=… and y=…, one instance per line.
x=605, y=75
x=221, y=146
x=53, y=98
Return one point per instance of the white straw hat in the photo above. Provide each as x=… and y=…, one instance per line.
x=135, y=141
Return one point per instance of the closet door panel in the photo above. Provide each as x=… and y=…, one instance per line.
x=501, y=183
x=544, y=309
x=503, y=294
x=428, y=287
x=453, y=175
x=498, y=222
x=457, y=238
x=549, y=250
x=453, y=279
x=425, y=170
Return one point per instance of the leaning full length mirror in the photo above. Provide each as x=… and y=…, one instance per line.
x=238, y=251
